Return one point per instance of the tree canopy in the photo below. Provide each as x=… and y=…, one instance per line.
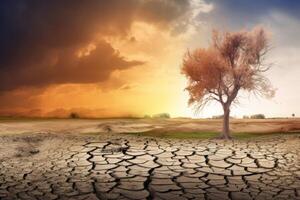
x=235, y=61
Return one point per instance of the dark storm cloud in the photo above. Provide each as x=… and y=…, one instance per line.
x=67, y=67
x=39, y=39
x=239, y=13
x=162, y=11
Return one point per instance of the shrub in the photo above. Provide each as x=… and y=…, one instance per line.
x=161, y=115
x=74, y=115
x=258, y=116
x=217, y=117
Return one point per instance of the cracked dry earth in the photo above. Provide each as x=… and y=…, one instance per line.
x=128, y=167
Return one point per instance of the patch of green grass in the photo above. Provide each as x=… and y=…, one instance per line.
x=204, y=135
x=178, y=135
x=255, y=135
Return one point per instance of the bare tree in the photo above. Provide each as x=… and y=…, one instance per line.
x=235, y=61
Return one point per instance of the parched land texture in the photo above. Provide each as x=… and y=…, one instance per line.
x=92, y=159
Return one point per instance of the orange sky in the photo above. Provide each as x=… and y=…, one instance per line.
x=122, y=61
x=153, y=87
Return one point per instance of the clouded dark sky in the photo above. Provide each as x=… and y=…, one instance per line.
x=39, y=39
x=120, y=55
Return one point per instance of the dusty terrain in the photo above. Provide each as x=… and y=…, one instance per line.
x=67, y=126
x=90, y=159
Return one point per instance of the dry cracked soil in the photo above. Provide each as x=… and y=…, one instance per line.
x=115, y=166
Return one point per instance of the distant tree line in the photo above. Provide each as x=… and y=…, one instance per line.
x=159, y=116
x=256, y=116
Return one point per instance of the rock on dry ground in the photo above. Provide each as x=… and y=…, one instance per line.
x=114, y=166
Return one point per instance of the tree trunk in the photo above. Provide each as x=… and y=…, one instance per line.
x=226, y=131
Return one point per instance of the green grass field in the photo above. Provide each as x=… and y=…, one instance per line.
x=204, y=135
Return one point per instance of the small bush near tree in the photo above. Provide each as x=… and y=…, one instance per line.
x=258, y=116
x=217, y=117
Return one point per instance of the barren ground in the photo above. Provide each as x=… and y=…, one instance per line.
x=92, y=159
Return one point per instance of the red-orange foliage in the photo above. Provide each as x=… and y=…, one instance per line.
x=233, y=62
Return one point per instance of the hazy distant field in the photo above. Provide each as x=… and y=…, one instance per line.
x=155, y=127
x=49, y=133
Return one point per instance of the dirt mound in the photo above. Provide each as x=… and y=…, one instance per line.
x=126, y=127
